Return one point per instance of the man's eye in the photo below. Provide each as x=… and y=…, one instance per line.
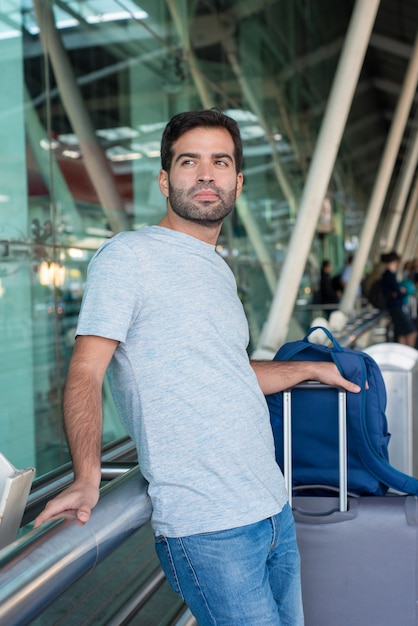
x=222, y=163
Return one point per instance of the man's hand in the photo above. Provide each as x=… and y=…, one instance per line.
x=326, y=372
x=276, y=376
x=80, y=497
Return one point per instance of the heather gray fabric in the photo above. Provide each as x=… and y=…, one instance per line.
x=182, y=382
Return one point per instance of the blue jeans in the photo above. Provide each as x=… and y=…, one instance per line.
x=243, y=576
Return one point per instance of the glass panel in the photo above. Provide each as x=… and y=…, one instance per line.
x=90, y=87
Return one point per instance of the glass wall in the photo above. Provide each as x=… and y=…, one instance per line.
x=88, y=87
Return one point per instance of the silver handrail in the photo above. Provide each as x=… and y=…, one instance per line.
x=353, y=331
x=37, y=568
x=49, y=485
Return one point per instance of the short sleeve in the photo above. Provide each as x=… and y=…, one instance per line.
x=111, y=297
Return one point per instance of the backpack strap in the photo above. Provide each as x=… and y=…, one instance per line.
x=372, y=459
x=291, y=349
x=336, y=345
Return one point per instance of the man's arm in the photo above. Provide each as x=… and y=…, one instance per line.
x=279, y=375
x=83, y=426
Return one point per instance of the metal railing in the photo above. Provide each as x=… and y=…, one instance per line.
x=37, y=568
x=117, y=457
x=358, y=327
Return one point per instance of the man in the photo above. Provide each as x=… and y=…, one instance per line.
x=161, y=314
x=403, y=325
x=329, y=295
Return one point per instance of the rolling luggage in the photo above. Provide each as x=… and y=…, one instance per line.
x=359, y=554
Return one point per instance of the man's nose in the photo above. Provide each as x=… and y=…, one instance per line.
x=205, y=174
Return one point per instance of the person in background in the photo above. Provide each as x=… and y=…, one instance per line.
x=161, y=315
x=372, y=277
x=409, y=283
x=404, y=328
x=346, y=274
x=327, y=293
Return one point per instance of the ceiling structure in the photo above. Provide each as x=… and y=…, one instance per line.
x=270, y=63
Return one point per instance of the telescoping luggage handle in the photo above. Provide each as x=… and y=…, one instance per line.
x=342, y=438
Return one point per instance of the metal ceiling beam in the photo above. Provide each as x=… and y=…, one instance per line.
x=275, y=330
x=97, y=165
x=411, y=241
x=391, y=46
x=254, y=104
x=303, y=62
x=408, y=221
x=388, y=86
x=360, y=152
x=382, y=181
x=179, y=15
x=403, y=187
x=362, y=124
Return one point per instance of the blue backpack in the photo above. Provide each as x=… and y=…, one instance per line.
x=315, y=424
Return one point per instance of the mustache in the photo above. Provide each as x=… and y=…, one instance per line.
x=205, y=186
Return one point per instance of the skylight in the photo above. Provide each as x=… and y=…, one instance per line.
x=20, y=15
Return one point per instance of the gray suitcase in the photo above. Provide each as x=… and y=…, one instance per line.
x=359, y=555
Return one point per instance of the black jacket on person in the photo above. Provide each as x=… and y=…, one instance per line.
x=327, y=293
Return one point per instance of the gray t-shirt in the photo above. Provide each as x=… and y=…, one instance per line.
x=182, y=382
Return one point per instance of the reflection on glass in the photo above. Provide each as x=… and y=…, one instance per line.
x=81, y=163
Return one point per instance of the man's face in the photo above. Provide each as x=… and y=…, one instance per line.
x=203, y=184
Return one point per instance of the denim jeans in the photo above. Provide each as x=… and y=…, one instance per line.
x=243, y=576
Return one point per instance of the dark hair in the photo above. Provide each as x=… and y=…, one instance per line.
x=389, y=257
x=209, y=118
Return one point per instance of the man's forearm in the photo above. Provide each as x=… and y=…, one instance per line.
x=83, y=422
x=276, y=376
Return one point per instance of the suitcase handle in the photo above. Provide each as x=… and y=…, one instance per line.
x=342, y=438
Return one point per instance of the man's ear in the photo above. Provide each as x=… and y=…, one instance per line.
x=240, y=182
x=163, y=182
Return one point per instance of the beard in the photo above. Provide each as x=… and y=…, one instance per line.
x=206, y=213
